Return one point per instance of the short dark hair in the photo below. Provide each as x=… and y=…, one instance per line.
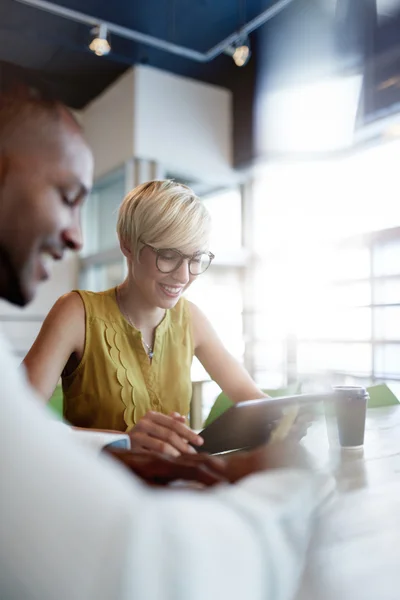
x=14, y=77
x=23, y=95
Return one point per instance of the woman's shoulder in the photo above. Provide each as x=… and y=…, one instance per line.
x=97, y=303
x=68, y=310
x=70, y=303
x=186, y=311
x=197, y=316
x=94, y=296
x=181, y=310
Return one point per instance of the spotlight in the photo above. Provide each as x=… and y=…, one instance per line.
x=241, y=55
x=240, y=52
x=100, y=44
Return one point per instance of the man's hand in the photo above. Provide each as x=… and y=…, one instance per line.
x=167, y=434
x=280, y=455
x=161, y=469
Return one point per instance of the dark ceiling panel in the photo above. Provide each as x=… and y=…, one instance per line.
x=78, y=78
x=14, y=46
x=198, y=24
x=59, y=47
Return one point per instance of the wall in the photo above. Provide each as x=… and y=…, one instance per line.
x=183, y=124
x=22, y=325
x=179, y=123
x=108, y=124
x=168, y=122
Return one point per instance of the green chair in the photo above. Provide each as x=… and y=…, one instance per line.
x=57, y=401
x=381, y=395
x=222, y=403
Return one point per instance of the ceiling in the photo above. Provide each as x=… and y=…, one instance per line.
x=58, y=47
x=388, y=8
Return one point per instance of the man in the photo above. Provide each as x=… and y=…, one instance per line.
x=41, y=196
x=77, y=526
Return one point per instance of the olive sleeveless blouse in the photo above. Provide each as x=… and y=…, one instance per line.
x=115, y=383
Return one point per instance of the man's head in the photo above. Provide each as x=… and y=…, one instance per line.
x=46, y=172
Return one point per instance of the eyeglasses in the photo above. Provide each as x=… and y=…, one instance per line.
x=169, y=260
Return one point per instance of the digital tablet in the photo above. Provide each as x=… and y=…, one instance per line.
x=254, y=422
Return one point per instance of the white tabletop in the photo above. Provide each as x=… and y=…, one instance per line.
x=355, y=553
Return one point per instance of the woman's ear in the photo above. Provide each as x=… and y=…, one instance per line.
x=125, y=249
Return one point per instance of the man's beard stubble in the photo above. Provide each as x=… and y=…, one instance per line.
x=10, y=282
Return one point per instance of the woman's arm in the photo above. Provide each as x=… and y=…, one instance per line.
x=62, y=335
x=230, y=375
x=223, y=368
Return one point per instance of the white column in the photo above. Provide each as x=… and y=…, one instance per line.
x=249, y=275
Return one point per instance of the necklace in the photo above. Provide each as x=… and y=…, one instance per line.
x=149, y=349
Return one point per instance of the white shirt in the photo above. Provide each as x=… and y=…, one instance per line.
x=74, y=525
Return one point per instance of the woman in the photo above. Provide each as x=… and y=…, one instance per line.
x=125, y=354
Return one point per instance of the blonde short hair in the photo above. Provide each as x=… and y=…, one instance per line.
x=163, y=214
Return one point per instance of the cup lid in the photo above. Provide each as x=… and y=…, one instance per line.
x=353, y=390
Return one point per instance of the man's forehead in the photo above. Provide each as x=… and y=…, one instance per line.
x=31, y=126
x=67, y=162
x=69, y=146
x=49, y=140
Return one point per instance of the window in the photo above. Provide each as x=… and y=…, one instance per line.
x=98, y=277
x=225, y=208
x=327, y=278
x=345, y=321
x=218, y=292
x=100, y=213
x=103, y=266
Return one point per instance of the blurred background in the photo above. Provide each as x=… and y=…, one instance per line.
x=295, y=154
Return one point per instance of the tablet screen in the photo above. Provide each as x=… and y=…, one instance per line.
x=254, y=422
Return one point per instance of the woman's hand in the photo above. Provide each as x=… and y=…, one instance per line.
x=167, y=434
x=304, y=420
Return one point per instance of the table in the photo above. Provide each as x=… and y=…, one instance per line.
x=355, y=551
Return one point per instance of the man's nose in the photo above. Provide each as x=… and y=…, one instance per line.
x=72, y=235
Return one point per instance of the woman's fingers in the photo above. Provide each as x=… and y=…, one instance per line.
x=164, y=433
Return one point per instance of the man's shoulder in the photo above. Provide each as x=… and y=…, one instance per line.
x=13, y=377
x=8, y=360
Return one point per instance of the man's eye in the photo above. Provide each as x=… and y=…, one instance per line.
x=68, y=199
